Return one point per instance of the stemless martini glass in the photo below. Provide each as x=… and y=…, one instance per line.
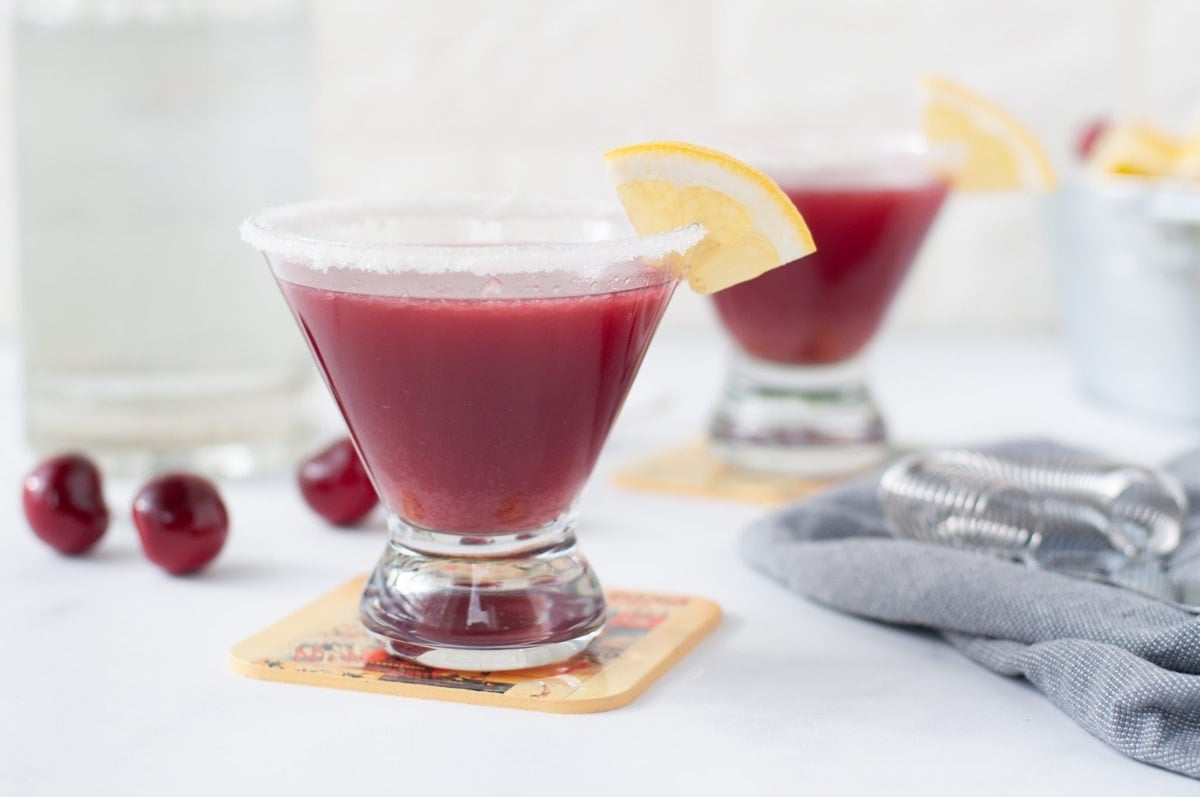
x=480, y=350
x=796, y=399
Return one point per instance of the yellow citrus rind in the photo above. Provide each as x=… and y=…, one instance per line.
x=999, y=153
x=751, y=225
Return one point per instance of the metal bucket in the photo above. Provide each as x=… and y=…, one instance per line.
x=1127, y=262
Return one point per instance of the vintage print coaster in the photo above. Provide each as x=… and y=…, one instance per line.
x=324, y=644
x=694, y=470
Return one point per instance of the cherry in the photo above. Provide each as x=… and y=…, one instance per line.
x=1088, y=138
x=182, y=522
x=335, y=484
x=64, y=503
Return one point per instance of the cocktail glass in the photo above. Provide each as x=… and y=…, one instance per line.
x=796, y=400
x=480, y=350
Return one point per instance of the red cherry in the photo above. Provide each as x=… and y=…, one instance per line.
x=1088, y=138
x=336, y=486
x=64, y=503
x=182, y=522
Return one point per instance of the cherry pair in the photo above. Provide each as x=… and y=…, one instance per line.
x=180, y=517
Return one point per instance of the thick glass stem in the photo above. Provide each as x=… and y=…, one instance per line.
x=483, y=601
x=798, y=420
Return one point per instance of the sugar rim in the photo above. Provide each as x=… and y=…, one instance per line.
x=279, y=232
x=901, y=157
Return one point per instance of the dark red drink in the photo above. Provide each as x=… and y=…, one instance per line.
x=481, y=414
x=825, y=308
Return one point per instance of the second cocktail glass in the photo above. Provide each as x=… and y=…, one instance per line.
x=480, y=351
x=796, y=399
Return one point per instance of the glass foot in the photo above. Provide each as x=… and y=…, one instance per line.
x=137, y=427
x=483, y=602
x=798, y=420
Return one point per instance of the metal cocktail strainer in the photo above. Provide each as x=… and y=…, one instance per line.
x=1078, y=514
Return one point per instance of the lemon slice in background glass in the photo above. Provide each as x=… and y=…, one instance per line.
x=1000, y=154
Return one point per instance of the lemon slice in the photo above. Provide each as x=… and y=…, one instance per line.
x=752, y=226
x=1000, y=153
x=1136, y=148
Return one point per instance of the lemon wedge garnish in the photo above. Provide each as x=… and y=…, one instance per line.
x=999, y=152
x=752, y=226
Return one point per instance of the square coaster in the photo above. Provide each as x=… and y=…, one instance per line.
x=325, y=644
x=694, y=470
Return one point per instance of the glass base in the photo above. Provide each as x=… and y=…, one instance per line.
x=483, y=602
x=796, y=420
x=137, y=428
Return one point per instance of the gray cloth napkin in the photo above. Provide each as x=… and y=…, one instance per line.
x=1125, y=667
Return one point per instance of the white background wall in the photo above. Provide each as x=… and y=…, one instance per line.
x=526, y=94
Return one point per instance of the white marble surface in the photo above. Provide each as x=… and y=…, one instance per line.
x=115, y=678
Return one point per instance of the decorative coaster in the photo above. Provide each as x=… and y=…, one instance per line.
x=693, y=469
x=324, y=644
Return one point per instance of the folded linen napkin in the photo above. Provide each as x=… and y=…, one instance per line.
x=1125, y=667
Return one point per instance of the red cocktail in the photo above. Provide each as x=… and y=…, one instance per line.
x=481, y=415
x=479, y=376
x=796, y=401
x=827, y=307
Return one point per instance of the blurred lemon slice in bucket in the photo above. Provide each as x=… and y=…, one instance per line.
x=1188, y=165
x=752, y=226
x=999, y=152
x=1138, y=149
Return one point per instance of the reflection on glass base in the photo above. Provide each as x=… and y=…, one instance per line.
x=798, y=420
x=483, y=602
x=486, y=660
